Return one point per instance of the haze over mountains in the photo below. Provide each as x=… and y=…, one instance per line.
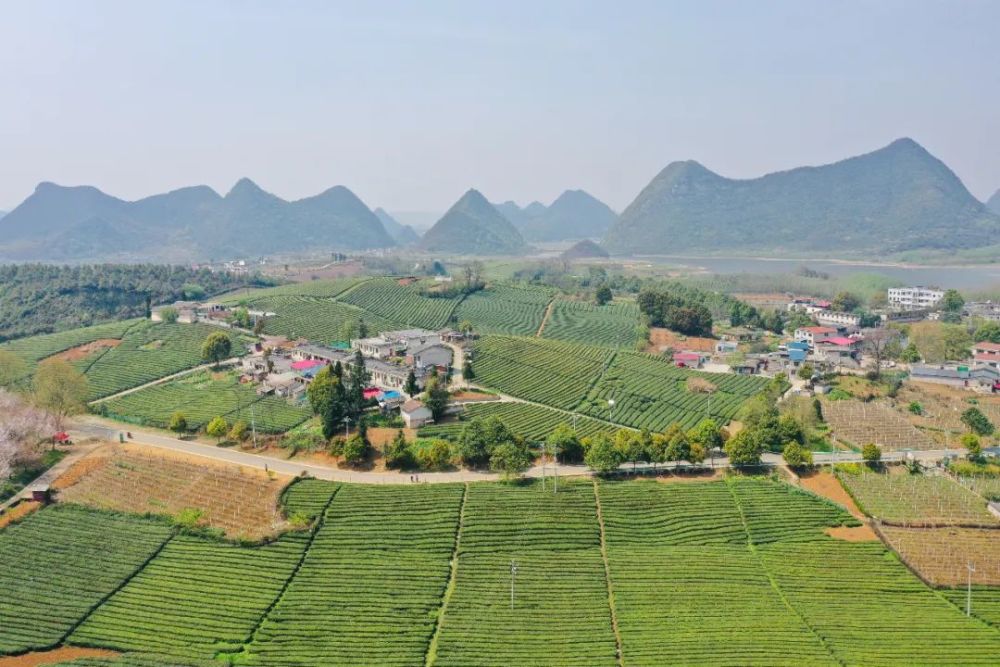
x=894, y=199
x=473, y=226
x=575, y=214
x=993, y=203
x=62, y=223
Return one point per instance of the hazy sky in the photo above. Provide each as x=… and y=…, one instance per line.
x=409, y=104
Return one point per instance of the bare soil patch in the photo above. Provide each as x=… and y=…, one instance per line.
x=660, y=339
x=686, y=478
x=853, y=533
x=827, y=485
x=242, y=502
x=87, y=349
x=63, y=654
x=473, y=396
x=17, y=512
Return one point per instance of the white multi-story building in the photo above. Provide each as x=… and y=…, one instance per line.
x=828, y=317
x=914, y=298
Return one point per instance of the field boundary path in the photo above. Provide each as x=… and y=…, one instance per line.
x=228, y=362
x=549, y=307
x=452, y=582
x=619, y=652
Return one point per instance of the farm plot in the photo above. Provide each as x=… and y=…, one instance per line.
x=320, y=320
x=549, y=372
x=241, y=502
x=323, y=289
x=307, y=497
x=533, y=422
x=985, y=602
x=687, y=588
x=504, y=309
x=988, y=486
x=858, y=424
x=870, y=610
x=198, y=597
x=916, y=500
x=610, y=325
x=941, y=555
x=386, y=298
x=137, y=660
x=561, y=614
x=62, y=561
x=149, y=352
x=371, y=583
x=36, y=348
x=202, y=396
x=650, y=392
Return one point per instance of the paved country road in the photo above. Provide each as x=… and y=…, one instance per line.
x=92, y=427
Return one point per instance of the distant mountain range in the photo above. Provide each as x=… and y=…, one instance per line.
x=473, y=226
x=574, y=215
x=993, y=203
x=895, y=199
x=63, y=223
x=402, y=234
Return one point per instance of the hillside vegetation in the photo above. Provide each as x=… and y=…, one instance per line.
x=899, y=198
x=39, y=298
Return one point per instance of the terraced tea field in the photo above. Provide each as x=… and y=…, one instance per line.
x=323, y=289
x=648, y=391
x=533, y=422
x=502, y=309
x=548, y=372
x=610, y=325
x=386, y=298
x=36, y=348
x=149, y=352
x=200, y=397
x=59, y=563
x=715, y=573
x=651, y=392
x=319, y=320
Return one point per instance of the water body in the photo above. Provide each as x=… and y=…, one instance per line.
x=957, y=277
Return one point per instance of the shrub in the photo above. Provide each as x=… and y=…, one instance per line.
x=239, y=431
x=797, y=456
x=915, y=408
x=977, y=422
x=971, y=443
x=398, y=454
x=355, y=449
x=178, y=423
x=435, y=456
x=217, y=428
x=872, y=454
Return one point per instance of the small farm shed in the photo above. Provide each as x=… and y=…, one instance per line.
x=415, y=414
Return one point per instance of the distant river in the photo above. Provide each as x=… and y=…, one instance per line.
x=957, y=277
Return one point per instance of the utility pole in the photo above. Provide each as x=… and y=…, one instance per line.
x=513, y=575
x=347, y=427
x=968, y=588
x=253, y=426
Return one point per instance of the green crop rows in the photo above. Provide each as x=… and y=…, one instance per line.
x=561, y=614
x=149, y=352
x=504, y=309
x=549, y=372
x=650, y=392
x=388, y=299
x=370, y=585
x=61, y=562
x=137, y=660
x=739, y=572
x=733, y=572
x=320, y=320
x=197, y=598
x=534, y=422
x=985, y=602
x=200, y=398
x=326, y=289
x=36, y=348
x=611, y=325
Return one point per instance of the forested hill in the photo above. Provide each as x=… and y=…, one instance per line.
x=39, y=298
x=898, y=198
